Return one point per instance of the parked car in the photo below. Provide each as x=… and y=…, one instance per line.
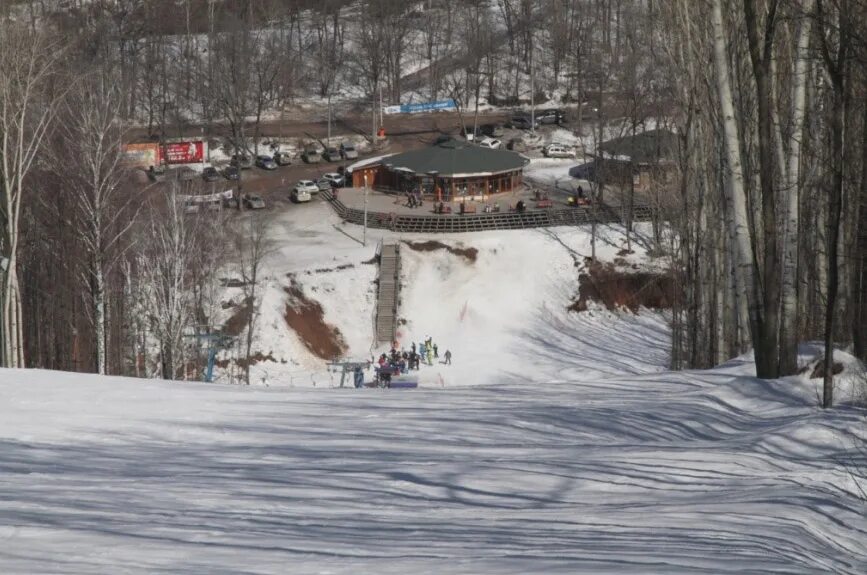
x=231, y=173
x=183, y=174
x=282, y=158
x=523, y=123
x=558, y=151
x=266, y=162
x=311, y=156
x=253, y=202
x=335, y=179
x=551, y=116
x=348, y=151
x=491, y=143
x=471, y=134
x=492, y=130
x=302, y=190
x=156, y=173
x=307, y=185
x=323, y=185
x=243, y=161
x=331, y=155
x=210, y=174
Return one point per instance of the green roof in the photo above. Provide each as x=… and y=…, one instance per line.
x=454, y=158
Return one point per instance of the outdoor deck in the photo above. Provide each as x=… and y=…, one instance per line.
x=390, y=211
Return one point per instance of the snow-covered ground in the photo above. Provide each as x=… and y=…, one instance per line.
x=694, y=472
x=503, y=316
x=556, y=443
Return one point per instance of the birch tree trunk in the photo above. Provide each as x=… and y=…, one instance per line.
x=736, y=200
x=26, y=111
x=789, y=288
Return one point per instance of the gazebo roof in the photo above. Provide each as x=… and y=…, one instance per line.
x=454, y=158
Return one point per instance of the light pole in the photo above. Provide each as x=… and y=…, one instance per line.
x=329, y=118
x=364, y=233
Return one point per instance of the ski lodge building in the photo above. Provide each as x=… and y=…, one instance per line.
x=454, y=168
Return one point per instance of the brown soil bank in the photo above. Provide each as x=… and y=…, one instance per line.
x=431, y=245
x=606, y=285
x=306, y=318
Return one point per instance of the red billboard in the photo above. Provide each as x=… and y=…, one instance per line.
x=184, y=152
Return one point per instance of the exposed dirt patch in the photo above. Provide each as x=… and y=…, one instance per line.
x=432, y=245
x=255, y=358
x=239, y=319
x=305, y=316
x=613, y=288
x=819, y=371
x=326, y=270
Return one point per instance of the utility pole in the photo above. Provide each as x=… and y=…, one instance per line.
x=532, y=92
x=373, y=122
x=364, y=233
x=381, y=119
x=329, y=118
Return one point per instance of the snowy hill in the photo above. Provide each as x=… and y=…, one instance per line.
x=502, y=312
x=711, y=472
x=556, y=443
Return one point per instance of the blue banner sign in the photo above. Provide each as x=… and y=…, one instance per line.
x=421, y=107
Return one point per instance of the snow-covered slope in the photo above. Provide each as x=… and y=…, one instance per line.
x=503, y=316
x=712, y=472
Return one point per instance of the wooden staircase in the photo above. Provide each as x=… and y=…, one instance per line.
x=387, y=294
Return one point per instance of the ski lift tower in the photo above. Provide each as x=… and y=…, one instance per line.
x=215, y=342
x=356, y=368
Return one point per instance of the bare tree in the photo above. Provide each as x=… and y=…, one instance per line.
x=252, y=245
x=837, y=59
x=27, y=107
x=169, y=241
x=88, y=156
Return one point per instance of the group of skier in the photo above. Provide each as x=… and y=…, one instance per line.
x=426, y=352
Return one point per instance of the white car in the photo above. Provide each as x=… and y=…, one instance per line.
x=558, y=151
x=491, y=143
x=308, y=186
x=303, y=190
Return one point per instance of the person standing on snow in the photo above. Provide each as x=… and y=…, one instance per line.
x=429, y=356
x=436, y=351
x=448, y=356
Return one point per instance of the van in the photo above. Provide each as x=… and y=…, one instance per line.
x=558, y=151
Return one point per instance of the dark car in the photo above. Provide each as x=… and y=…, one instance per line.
x=266, y=163
x=331, y=155
x=232, y=173
x=523, y=123
x=210, y=174
x=492, y=130
x=551, y=116
x=243, y=161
